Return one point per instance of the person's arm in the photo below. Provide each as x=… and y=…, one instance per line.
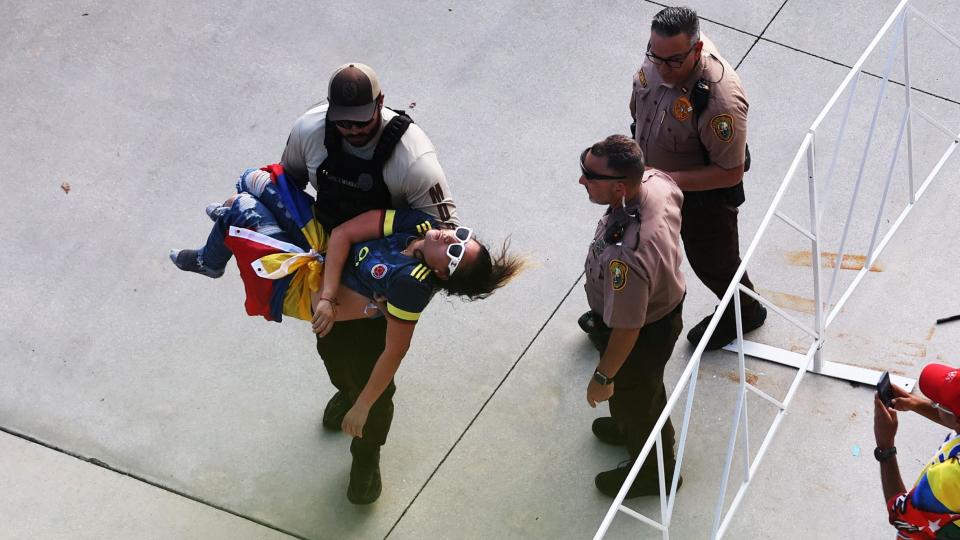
x=294, y=160
x=905, y=401
x=366, y=226
x=425, y=188
x=712, y=176
x=399, y=334
x=885, y=431
x=619, y=345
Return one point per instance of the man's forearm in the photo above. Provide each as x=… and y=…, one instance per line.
x=890, y=478
x=705, y=178
x=619, y=345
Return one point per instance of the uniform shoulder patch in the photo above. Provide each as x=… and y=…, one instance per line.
x=722, y=125
x=618, y=274
x=643, y=78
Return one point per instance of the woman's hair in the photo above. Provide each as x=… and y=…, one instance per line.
x=487, y=273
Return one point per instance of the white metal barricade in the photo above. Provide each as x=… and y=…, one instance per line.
x=825, y=310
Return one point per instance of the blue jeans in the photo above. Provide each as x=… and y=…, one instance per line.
x=265, y=214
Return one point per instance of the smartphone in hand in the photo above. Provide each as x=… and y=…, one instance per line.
x=885, y=390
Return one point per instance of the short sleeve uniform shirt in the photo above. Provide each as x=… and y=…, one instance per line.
x=632, y=268
x=666, y=131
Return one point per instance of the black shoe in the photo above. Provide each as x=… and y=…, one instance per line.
x=336, y=409
x=607, y=431
x=726, y=330
x=365, y=483
x=592, y=323
x=189, y=261
x=610, y=482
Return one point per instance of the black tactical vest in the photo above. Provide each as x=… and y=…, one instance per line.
x=347, y=186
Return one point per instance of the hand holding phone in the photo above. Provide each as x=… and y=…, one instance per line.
x=885, y=390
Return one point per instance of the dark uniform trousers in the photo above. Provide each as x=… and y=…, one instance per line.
x=712, y=245
x=639, y=395
x=349, y=352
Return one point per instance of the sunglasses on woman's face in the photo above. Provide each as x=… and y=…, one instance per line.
x=456, y=250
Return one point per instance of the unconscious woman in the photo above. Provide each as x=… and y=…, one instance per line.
x=290, y=266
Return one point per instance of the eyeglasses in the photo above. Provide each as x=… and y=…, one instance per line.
x=455, y=251
x=354, y=124
x=590, y=175
x=672, y=62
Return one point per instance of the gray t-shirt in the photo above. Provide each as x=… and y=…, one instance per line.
x=412, y=174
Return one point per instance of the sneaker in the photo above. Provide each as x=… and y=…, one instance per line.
x=335, y=410
x=365, y=483
x=189, y=260
x=215, y=210
x=726, y=330
x=610, y=482
x=607, y=431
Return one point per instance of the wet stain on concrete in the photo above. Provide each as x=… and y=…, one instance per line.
x=829, y=260
x=752, y=378
x=789, y=301
x=913, y=348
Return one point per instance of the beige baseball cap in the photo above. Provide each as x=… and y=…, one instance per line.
x=353, y=92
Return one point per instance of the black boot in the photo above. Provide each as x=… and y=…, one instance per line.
x=610, y=482
x=336, y=409
x=365, y=484
x=606, y=430
x=726, y=330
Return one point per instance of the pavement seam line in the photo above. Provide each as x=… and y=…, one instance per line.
x=104, y=465
x=865, y=72
x=484, y=406
x=762, y=32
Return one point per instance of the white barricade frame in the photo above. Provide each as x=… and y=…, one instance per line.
x=811, y=360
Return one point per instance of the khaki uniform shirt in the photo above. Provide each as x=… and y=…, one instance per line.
x=664, y=116
x=633, y=276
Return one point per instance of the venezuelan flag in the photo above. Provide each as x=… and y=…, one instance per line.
x=278, y=277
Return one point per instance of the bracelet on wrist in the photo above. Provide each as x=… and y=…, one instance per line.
x=333, y=301
x=883, y=454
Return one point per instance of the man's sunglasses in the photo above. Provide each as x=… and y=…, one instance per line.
x=590, y=175
x=354, y=124
x=455, y=251
x=673, y=62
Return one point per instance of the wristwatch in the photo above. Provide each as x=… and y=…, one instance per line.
x=883, y=454
x=601, y=378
